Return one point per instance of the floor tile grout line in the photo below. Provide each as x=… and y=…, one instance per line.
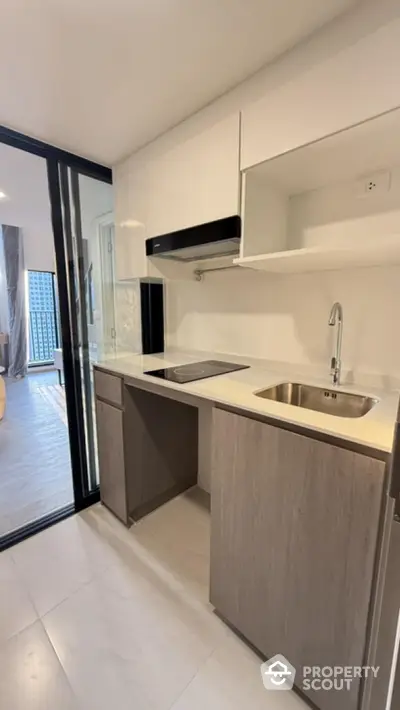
x=74, y=694
x=23, y=583
x=41, y=616
x=68, y=596
x=7, y=639
x=194, y=676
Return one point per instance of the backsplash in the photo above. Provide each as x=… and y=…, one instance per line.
x=285, y=318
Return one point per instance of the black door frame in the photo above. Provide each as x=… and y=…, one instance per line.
x=56, y=158
x=45, y=150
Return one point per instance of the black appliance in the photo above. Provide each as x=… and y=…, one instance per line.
x=204, y=241
x=196, y=371
x=151, y=316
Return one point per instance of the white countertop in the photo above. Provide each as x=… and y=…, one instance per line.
x=237, y=389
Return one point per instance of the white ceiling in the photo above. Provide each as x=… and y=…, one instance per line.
x=102, y=77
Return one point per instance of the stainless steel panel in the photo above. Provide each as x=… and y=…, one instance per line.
x=335, y=402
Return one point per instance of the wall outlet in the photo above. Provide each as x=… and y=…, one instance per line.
x=374, y=184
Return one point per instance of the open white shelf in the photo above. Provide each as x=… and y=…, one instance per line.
x=330, y=205
x=373, y=252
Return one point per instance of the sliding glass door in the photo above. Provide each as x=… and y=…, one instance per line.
x=85, y=206
x=68, y=319
x=81, y=206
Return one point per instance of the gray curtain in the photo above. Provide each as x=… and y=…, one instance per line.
x=15, y=280
x=4, y=320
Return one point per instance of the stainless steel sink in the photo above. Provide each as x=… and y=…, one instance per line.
x=340, y=404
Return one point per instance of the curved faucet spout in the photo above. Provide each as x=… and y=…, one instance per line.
x=336, y=317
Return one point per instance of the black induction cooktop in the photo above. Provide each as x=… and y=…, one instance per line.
x=196, y=371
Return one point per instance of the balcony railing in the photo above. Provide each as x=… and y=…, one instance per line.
x=42, y=337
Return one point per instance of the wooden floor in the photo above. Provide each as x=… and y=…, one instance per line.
x=35, y=468
x=55, y=396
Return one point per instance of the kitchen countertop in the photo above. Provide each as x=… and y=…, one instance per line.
x=237, y=389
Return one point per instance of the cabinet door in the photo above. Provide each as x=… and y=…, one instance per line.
x=188, y=176
x=110, y=445
x=129, y=181
x=294, y=536
x=195, y=178
x=322, y=97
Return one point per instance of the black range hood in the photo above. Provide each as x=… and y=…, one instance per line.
x=204, y=241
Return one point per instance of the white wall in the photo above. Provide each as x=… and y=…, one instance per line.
x=38, y=249
x=23, y=178
x=338, y=213
x=285, y=318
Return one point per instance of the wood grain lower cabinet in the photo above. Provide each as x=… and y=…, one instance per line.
x=110, y=443
x=147, y=448
x=293, y=545
x=108, y=387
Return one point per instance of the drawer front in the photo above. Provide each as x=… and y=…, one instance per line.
x=108, y=387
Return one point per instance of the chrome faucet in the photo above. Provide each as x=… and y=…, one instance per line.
x=336, y=315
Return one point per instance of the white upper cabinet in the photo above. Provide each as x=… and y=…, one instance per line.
x=129, y=227
x=196, y=180
x=186, y=177
x=325, y=98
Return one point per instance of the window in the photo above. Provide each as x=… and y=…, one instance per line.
x=43, y=321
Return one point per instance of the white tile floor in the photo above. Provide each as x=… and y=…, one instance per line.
x=93, y=617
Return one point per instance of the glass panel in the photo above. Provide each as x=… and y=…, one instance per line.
x=97, y=225
x=35, y=448
x=107, y=343
x=90, y=253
